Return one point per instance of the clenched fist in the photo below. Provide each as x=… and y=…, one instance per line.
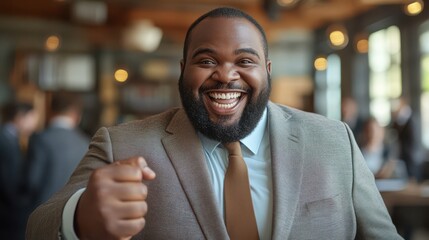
x=113, y=205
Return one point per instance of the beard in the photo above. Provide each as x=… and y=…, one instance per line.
x=199, y=117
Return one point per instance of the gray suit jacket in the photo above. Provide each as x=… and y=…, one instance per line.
x=322, y=187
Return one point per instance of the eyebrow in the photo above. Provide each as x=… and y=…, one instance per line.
x=236, y=52
x=202, y=51
x=247, y=50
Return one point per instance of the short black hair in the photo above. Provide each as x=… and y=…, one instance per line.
x=63, y=101
x=13, y=108
x=226, y=12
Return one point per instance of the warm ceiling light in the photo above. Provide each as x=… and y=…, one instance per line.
x=143, y=35
x=121, y=75
x=337, y=38
x=414, y=8
x=321, y=63
x=52, y=43
x=362, y=46
x=287, y=3
x=361, y=43
x=337, y=35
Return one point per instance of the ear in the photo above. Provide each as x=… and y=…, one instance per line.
x=269, y=66
x=182, y=65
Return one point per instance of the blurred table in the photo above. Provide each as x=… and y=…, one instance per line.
x=408, y=207
x=411, y=194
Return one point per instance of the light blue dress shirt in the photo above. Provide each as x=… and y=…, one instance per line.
x=256, y=153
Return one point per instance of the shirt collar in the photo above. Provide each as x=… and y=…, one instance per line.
x=251, y=141
x=62, y=122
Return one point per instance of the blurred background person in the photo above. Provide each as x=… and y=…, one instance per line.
x=54, y=153
x=377, y=151
x=350, y=115
x=403, y=130
x=19, y=120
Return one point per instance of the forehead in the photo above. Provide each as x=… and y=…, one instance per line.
x=225, y=33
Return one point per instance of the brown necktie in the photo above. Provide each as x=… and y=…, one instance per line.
x=239, y=216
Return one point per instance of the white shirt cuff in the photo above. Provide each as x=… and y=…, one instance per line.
x=67, y=226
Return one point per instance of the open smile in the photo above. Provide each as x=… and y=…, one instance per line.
x=224, y=102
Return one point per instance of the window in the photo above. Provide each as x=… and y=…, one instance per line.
x=328, y=89
x=424, y=98
x=385, y=83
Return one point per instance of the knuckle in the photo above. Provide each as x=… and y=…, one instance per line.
x=101, y=193
x=97, y=175
x=144, y=208
x=136, y=173
x=139, y=225
x=106, y=212
x=142, y=162
x=133, y=227
x=142, y=223
x=111, y=227
x=131, y=171
x=144, y=191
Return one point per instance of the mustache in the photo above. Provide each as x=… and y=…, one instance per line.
x=229, y=86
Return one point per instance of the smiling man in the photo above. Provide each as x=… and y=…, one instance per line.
x=300, y=175
x=225, y=85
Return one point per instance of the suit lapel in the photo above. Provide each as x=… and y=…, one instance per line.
x=185, y=152
x=286, y=153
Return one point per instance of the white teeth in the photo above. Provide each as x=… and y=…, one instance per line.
x=225, y=95
x=224, y=105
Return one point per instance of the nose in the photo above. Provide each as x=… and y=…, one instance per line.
x=225, y=73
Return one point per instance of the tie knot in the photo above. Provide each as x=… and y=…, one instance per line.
x=233, y=148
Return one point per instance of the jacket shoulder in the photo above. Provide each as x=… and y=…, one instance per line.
x=312, y=124
x=156, y=122
x=303, y=116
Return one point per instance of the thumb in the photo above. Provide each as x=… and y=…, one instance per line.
x=148, y=173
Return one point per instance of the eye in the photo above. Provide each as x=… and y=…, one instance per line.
x=245, y=61
x=207, y=62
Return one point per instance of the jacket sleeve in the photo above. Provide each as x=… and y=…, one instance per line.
x=373, y=220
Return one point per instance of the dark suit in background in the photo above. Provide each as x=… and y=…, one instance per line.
x=19, y=119
x=10, y=163
x=10, y=173
x=403, y=126
x=54, y=153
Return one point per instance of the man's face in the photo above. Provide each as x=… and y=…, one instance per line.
x=224, y=83
x=27, y=122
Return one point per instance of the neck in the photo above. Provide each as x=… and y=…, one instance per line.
x=63, y=121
